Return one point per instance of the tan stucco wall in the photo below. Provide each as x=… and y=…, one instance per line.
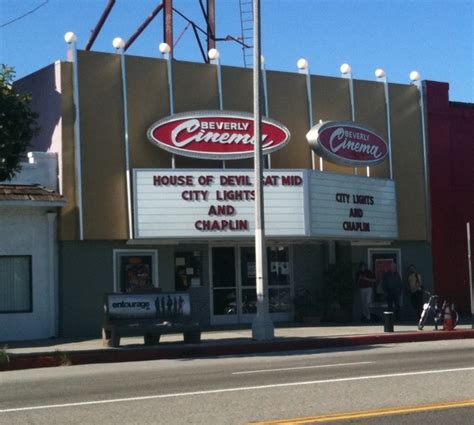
x=195, y=88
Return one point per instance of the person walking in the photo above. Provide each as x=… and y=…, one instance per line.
x=392, y=287
x=415, y=287
x=365, y=280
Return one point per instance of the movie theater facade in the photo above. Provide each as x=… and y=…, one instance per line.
x=160, y=185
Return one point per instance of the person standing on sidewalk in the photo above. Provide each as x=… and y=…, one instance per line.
x=365, y=280
x=392, y=287
x=416, y=289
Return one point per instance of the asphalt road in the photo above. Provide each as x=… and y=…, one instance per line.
x=239, y=390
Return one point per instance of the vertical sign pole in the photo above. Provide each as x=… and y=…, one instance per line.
x=469, y=262
x=262, y=325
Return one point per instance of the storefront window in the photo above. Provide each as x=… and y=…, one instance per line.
x=278, y=266
x=280, y=300
x=248, y=266
x=187, y=270
x=135, y=270
x=279, y=293
x=15, y=284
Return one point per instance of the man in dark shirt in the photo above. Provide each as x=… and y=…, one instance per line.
x=392, y=286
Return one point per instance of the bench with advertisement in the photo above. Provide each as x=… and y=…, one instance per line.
x=150, y=314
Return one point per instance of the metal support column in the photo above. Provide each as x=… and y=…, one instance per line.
x=303, y=68
x=119, y=44
x=382, y=77
x=419, y=85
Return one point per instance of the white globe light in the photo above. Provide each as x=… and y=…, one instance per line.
x=262, y=59
x=213, y=54
x=302, y=63
x=164, y=48
x=414, y=76
x=379, y=73
x=70, y=37
x=118, y=43
x=346, y=68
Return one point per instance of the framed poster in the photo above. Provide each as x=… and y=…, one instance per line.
x=380, y=262
x=135, y=271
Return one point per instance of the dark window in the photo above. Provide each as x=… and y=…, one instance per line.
x=187, y=270
x=15, y=284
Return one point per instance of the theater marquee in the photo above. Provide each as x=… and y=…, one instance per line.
x=298, y=203
x=216, y=204
x=352, y=207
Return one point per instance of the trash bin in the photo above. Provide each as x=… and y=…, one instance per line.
x=388, y=321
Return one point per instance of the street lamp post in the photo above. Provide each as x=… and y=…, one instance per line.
x=262, y=325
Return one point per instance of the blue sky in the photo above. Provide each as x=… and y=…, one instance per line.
x=435, y=37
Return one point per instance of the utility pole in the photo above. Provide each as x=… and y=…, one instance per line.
x=262, y=325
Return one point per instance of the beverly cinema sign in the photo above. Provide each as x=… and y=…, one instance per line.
x=216, y=135
x=347, y=143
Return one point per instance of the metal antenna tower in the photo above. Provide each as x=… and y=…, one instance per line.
x=208, y=33
x=246, y=23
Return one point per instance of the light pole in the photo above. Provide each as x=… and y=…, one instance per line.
x=262, y=325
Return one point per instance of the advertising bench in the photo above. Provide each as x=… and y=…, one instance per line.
x=148, y=314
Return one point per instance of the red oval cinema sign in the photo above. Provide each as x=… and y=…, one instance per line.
x=347, y=143
x=216, y=135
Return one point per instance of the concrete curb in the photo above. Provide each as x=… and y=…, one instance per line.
x=110, y=355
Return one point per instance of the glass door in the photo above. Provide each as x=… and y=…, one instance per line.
x=234, y=298
x=248, y=293
x=224, y=285
x=279, y=283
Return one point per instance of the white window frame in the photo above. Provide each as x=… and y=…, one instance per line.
x=118, y=253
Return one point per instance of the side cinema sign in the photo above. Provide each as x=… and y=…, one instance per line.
x=347, y=143
x=216, y=135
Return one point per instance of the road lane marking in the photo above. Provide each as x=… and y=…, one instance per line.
x=237, y=389
x=299, y=368
x=365, y=414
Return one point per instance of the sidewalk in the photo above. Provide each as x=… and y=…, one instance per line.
x=56, y=352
